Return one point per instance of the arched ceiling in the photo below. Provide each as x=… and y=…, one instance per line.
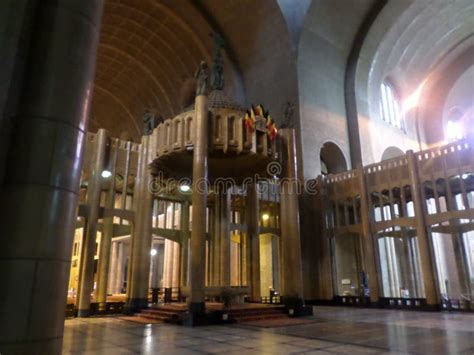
x=411, y=43
x=422, y=36
x=149, y=51
x=146, y=52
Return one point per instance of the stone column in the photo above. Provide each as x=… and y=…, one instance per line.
x=167, y=263
x=43, y=170
x=94, y=189
x=253, y=245
x=428, y=267
x=197, y=270
x=107, y=230
x=292, y=277
x=176, y=265
x=184, y=243
x=406, y=274
x=370, y=251
x=120, y=267
x=216, y=241
x=224, y=221
x=113, y=269
x=139, y=270
x=325, y=273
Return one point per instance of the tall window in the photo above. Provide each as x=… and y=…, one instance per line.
x=390, y=106
x=454, y=129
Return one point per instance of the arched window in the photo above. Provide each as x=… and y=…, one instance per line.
x=454, y=128
x=390, y=106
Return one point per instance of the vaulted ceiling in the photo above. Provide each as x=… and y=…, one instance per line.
x=149, y=51
x=146, y=52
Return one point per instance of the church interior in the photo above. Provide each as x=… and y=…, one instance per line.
x=208, y=176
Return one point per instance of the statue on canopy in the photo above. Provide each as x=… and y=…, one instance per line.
x=202, y=79
x=150, y=121
x=217, y=75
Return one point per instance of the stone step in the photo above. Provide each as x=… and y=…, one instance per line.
x=253, y=314
x=161, y=311
x=257, y=312
x=148, y=316
x=165, y=314
x=262, y=317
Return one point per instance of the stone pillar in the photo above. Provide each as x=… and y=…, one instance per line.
x=94, y=189
x=184, y=243
x=325, y=272
x=370, y=251
x=253, y=245
x=113, y=269
x=139, y=269
x=224, y=222
x=107, y=230
x=292, y=277
x=197, y=270
x=406, y=274
x=125, y=176
x=428, y=267
x=43, y=170
x=215, y=241
x=167, y=263
x=176, y=265
x=120, y=268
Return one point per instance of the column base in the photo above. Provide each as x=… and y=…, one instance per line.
x=135, y=304
x=83, y=313
x=196, y=315
x=196, y=308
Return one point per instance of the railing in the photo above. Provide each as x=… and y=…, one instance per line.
x=165, y=295
x=272, y=299
x=457, y=305
x=386, y=165
x=334, y=178
x=354, y=301
x=227, y=133
x=402, y=303
x=443, y=150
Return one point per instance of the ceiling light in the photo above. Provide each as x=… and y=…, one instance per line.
x=184, y=188
x=153, y=252
x=106, y=174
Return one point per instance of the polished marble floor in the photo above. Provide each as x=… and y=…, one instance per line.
x=332, y=330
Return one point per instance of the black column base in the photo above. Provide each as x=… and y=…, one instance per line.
x=197, y=315
x=197, y=308
x=135, y=304
x=83, y=313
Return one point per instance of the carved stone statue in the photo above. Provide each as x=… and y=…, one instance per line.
x=289, y=109
x=217, y=75
x=149, y=121
x=202, y=79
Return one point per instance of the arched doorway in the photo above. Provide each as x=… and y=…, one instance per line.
x=332, y=159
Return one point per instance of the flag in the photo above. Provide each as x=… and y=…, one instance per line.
x=272, y=131
x=259, y=111
x=249, y=120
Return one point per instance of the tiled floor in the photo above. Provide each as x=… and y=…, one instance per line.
x=334, y=330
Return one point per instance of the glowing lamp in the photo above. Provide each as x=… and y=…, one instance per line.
x=106, y=174
x=184, y=188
